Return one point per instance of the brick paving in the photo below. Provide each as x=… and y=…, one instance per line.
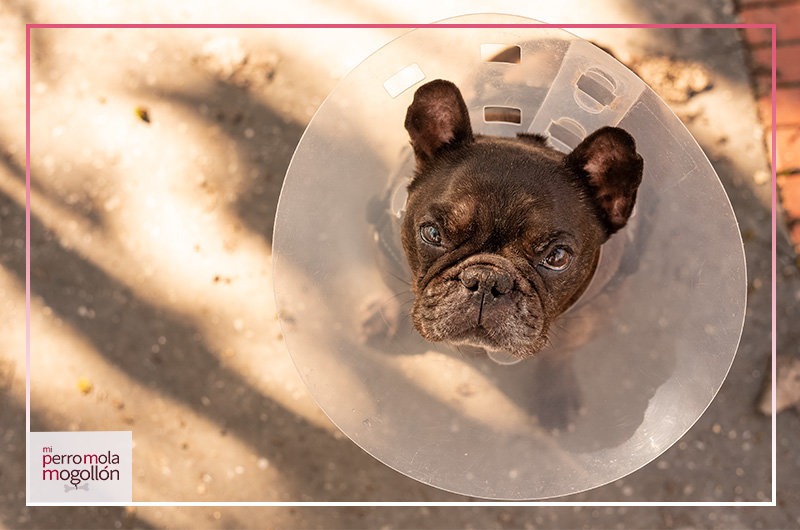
x=786, y=14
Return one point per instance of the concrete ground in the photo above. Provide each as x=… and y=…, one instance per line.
x=151, y=304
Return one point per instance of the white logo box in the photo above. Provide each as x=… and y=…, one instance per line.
x=87, y=466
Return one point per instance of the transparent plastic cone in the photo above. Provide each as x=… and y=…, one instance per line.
x=667, y=302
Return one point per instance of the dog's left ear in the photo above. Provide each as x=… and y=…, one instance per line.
x=607, y=158
x=437, y=118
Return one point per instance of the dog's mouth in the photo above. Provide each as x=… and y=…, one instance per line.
x=484, y=302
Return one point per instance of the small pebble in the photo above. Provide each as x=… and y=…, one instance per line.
x=84, y=385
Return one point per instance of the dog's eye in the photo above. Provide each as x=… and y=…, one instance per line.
x=558, y=260
x=430, y=234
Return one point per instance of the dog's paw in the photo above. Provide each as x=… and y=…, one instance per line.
x=380, y=319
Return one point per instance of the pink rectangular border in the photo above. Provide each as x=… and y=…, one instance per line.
x=28, y=27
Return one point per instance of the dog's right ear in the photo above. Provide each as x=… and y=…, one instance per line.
x=608, y=161
x=437, y=117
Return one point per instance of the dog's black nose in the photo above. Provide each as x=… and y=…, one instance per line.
x=486, y=280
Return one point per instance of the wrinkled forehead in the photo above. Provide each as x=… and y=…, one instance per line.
x=456, y=213
x=512, y=203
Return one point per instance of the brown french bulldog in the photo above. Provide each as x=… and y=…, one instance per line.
x=502, y=235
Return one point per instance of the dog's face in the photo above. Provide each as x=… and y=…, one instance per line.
x=503, y=234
